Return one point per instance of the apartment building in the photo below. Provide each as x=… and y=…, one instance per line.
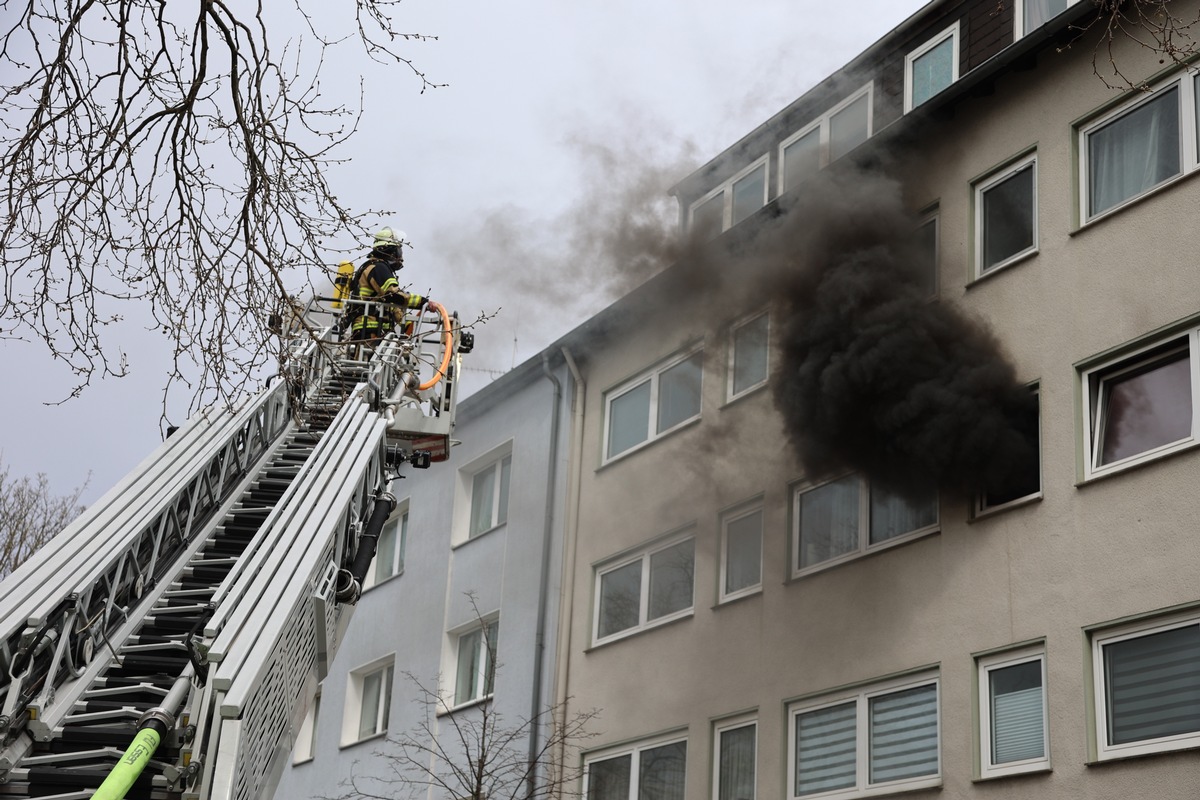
x=747, y=628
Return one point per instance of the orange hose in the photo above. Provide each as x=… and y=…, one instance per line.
x=447, y=346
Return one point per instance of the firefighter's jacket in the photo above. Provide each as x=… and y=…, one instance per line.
x=377, y=279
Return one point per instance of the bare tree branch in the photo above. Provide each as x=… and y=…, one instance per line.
x=1151, y=24
x=31, y=514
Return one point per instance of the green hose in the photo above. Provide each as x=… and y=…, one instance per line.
x=127, y=770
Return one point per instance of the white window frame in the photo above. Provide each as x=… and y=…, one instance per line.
x=643, y=555
x=1100, y=638
x=733, y=515
x=1189, y=159
x=732, y=724
x=726, y=189
x=460, y=532
x=1019, y=18
x=985, y=665
x=399, y=518
x=306, y=736
x=864, y=528
x=730, y=394
x=488, y=652
x=951, y=33
x=934, y=217
x=822, y=123
x=652, y=375
x=634, y=750
x=981, y=508
x=862, y=697
x=1094, y=411
x=352, y=709
x=984, y=185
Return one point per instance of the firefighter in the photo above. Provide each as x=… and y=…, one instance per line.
x=376, y=281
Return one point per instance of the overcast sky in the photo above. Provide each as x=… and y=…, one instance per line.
x=550, y=105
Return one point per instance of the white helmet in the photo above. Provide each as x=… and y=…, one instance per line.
x=388, y=236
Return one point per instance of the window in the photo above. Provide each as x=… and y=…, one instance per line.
x=647, y=772
x=831, y=136
x=652, y=404
x=306, y=737
x=931, y=68
x=1025, y=476
x=884, y=738
x=489, y=496
x=1138, y=147
x=927, y=253
x=1012, y=713
x=368, y=702
x=1006, y=216
x=1147, y=687
x=1141, y=406
x=734, y=760
x=748, y=355
x=846, y=517
x=389, y=551
x=741, y=551
x=731, y=202
x=1033, y=14
x=475, y=674
x=645, y=590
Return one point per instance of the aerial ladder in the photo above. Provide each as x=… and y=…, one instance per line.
x=163, y=645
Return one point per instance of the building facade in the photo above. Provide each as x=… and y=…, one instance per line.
x=749, y=628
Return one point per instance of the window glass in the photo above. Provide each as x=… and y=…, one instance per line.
x=1017, y=713
x=743, y=552
x=932, y=71
x=895, y=515
x=927, y=255
x=376, y=702
x=1038, y=12
x=749, y=355
x=829, y=524
x=661, y=772
x=671, y=579
x=749, y=194
x=708, y=218
x=1008, y=217
x=1152, y=685
x=679, y=392
x=849, y=127
x=1145, y=407
x=609, y=779
x=736, y=763
x=802, y=158
x=389, y=553
x=467, y=676
x=1134, y=152
x=620, y=599
x=826, y=749
x=629, y=419
x=483, y=491
x=904, y=734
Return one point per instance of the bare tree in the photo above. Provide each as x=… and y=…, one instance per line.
x=476, y=753
x=31, y=514
x=1151, y=24
x=173, y=155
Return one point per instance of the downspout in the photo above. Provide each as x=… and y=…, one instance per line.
x=535, y=703
x=570, y=534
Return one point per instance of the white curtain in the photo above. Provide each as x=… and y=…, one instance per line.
x=1134, y=152
x=737, y=764
x=829, y=521
x=1039, y=12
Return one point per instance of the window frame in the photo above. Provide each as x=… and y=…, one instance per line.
x=979, y=505
x=731, y=363
x=951, y=33
x=1092, y=380
x=821, y=123
x=1101, y=636
x=400, y=514
x=634, y=750
x=864, y=527
x=740, y=512
x=933, y=216
x=353, y=707
x=653, y=375
x=732, y=724
x=981, y=187
x=488, y=629
x=861, y=695
x=725, y=188
x=499, y=496
x=643, y=555
x=1019, y=18
x=464, y=491
x=984, y=666
x=1189, y=154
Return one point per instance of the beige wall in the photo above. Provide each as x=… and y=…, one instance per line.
x=1084, y=554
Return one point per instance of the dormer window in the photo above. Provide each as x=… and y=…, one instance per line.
x=731, y=202
x=827, y=138
x=931, y=68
